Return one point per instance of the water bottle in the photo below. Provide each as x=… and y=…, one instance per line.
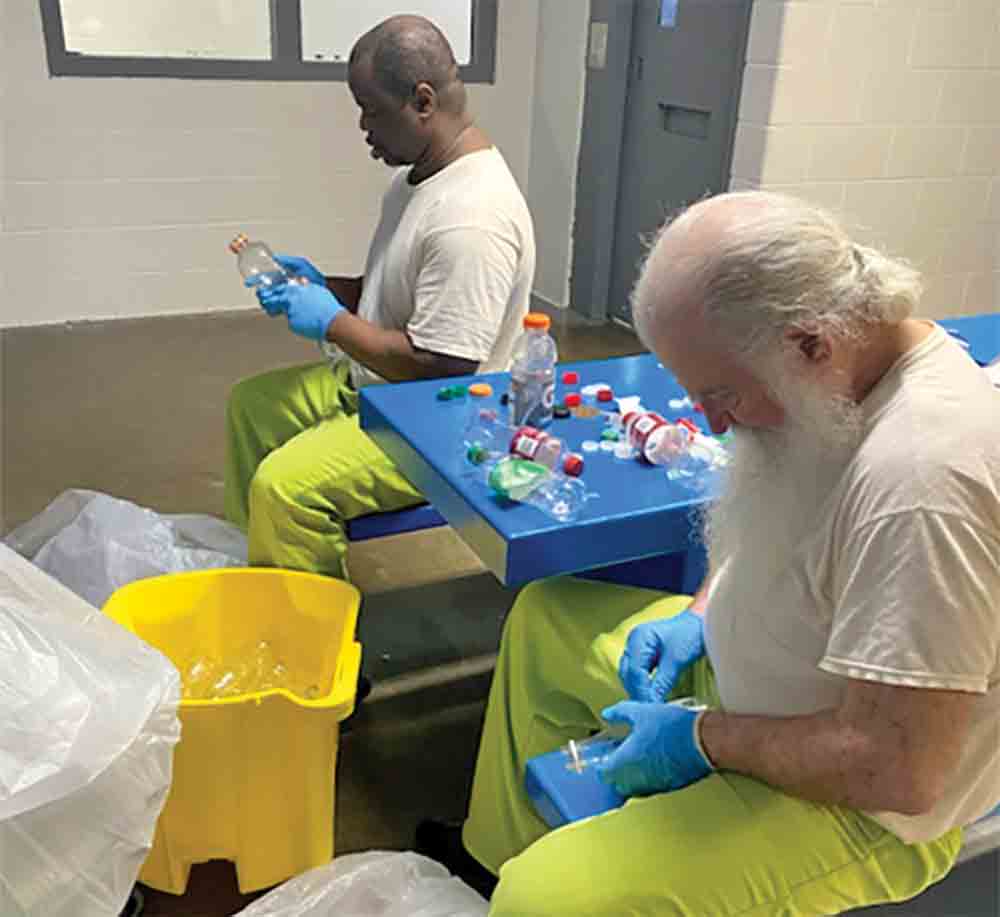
x=533, y=374
x=256, y=262
x=655, y=439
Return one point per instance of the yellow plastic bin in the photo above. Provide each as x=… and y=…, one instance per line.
x=253, y=774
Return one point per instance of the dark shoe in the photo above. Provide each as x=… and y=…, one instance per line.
x=442, y=841
x=134, y=905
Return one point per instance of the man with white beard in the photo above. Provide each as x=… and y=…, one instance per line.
x=846, y=640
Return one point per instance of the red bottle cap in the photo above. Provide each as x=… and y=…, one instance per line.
x=572, y=400
x=605, y=394
x=573, y=465
x=570, y=377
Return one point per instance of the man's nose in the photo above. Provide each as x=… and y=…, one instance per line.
x=718, y=421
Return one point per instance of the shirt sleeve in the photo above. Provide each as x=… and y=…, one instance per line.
x=918, y=603
x=463, y=289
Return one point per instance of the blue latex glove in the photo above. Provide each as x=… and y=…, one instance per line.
x=268, y=297
x=310, y=308
x=660, y=753
x=667, y=647
x=301, y=267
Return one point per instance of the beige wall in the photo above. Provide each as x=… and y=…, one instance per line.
x=120, y=194
x=560, y=82
x=888, y=111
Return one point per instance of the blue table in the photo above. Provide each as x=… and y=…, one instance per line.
x=639, y=513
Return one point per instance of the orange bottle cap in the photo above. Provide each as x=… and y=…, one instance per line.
x=537, y=320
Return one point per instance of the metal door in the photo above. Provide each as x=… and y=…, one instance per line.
x=684, y=81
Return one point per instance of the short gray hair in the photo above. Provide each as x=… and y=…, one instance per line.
x=786, y=263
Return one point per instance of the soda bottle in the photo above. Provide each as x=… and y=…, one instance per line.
x=256, y=263
x=533, y=374
x=654, y=438
x=531, y=443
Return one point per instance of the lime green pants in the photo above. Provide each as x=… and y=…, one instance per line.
x=298, y=466
x=725, y=845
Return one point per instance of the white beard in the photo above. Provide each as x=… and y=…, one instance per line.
x=776, y=482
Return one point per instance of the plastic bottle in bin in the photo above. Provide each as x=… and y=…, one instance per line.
x=533, y=374
x=256, y=262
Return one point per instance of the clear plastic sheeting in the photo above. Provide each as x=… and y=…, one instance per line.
x=375, y=884
x=94, y=543
x=88, y=723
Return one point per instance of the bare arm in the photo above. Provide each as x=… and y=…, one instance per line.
x=347, y=290
x=885, y=748
x=390, y=353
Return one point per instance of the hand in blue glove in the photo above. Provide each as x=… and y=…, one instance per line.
x=301, y=267
x=310, y=308
x=667, y=647
x=270, y=297
x=660, y=753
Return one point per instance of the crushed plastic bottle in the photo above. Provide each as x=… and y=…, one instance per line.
x=533, y=374
x=246, y=671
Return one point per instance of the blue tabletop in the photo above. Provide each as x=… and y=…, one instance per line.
x=638, y=512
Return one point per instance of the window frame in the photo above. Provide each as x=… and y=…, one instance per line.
x=286, y=62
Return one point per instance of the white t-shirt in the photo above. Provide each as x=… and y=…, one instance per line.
x=452, y=263
x=899, y=580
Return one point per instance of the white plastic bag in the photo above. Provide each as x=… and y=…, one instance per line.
x=94, y=543
x=88, y=722
x=375, y=884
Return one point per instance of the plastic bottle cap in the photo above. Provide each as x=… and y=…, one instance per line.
x=570, y=377
x=590, y=445
x=572, y=400
x=537, y=320
x=605, y=394
x=481, y=389
x=573, y=465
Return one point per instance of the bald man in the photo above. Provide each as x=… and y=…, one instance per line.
x=846, y=644
x=445, y=288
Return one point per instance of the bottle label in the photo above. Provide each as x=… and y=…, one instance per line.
x=526, y=446
x=531, y=402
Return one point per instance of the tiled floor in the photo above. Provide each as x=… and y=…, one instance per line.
x=155, y=391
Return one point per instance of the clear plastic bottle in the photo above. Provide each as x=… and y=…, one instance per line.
x=533, y=374
x=533, y=444
x=654, y=438
x=256, y=262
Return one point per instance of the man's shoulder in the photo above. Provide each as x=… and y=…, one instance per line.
x=922, y=457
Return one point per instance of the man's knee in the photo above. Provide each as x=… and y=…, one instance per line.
x=273, y=491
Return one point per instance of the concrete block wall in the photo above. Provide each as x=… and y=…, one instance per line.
x=889, y=112
x=120, y=194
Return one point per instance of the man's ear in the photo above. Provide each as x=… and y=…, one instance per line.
x=425, y=99
x=809, y=344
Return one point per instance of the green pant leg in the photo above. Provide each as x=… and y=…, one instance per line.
x=303, y=494
x=266, y=411
x=557, y=669
x=724, y=846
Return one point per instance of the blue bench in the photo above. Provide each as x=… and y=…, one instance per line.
x=379, y=525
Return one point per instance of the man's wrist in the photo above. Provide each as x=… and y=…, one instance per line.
x=706, y=731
